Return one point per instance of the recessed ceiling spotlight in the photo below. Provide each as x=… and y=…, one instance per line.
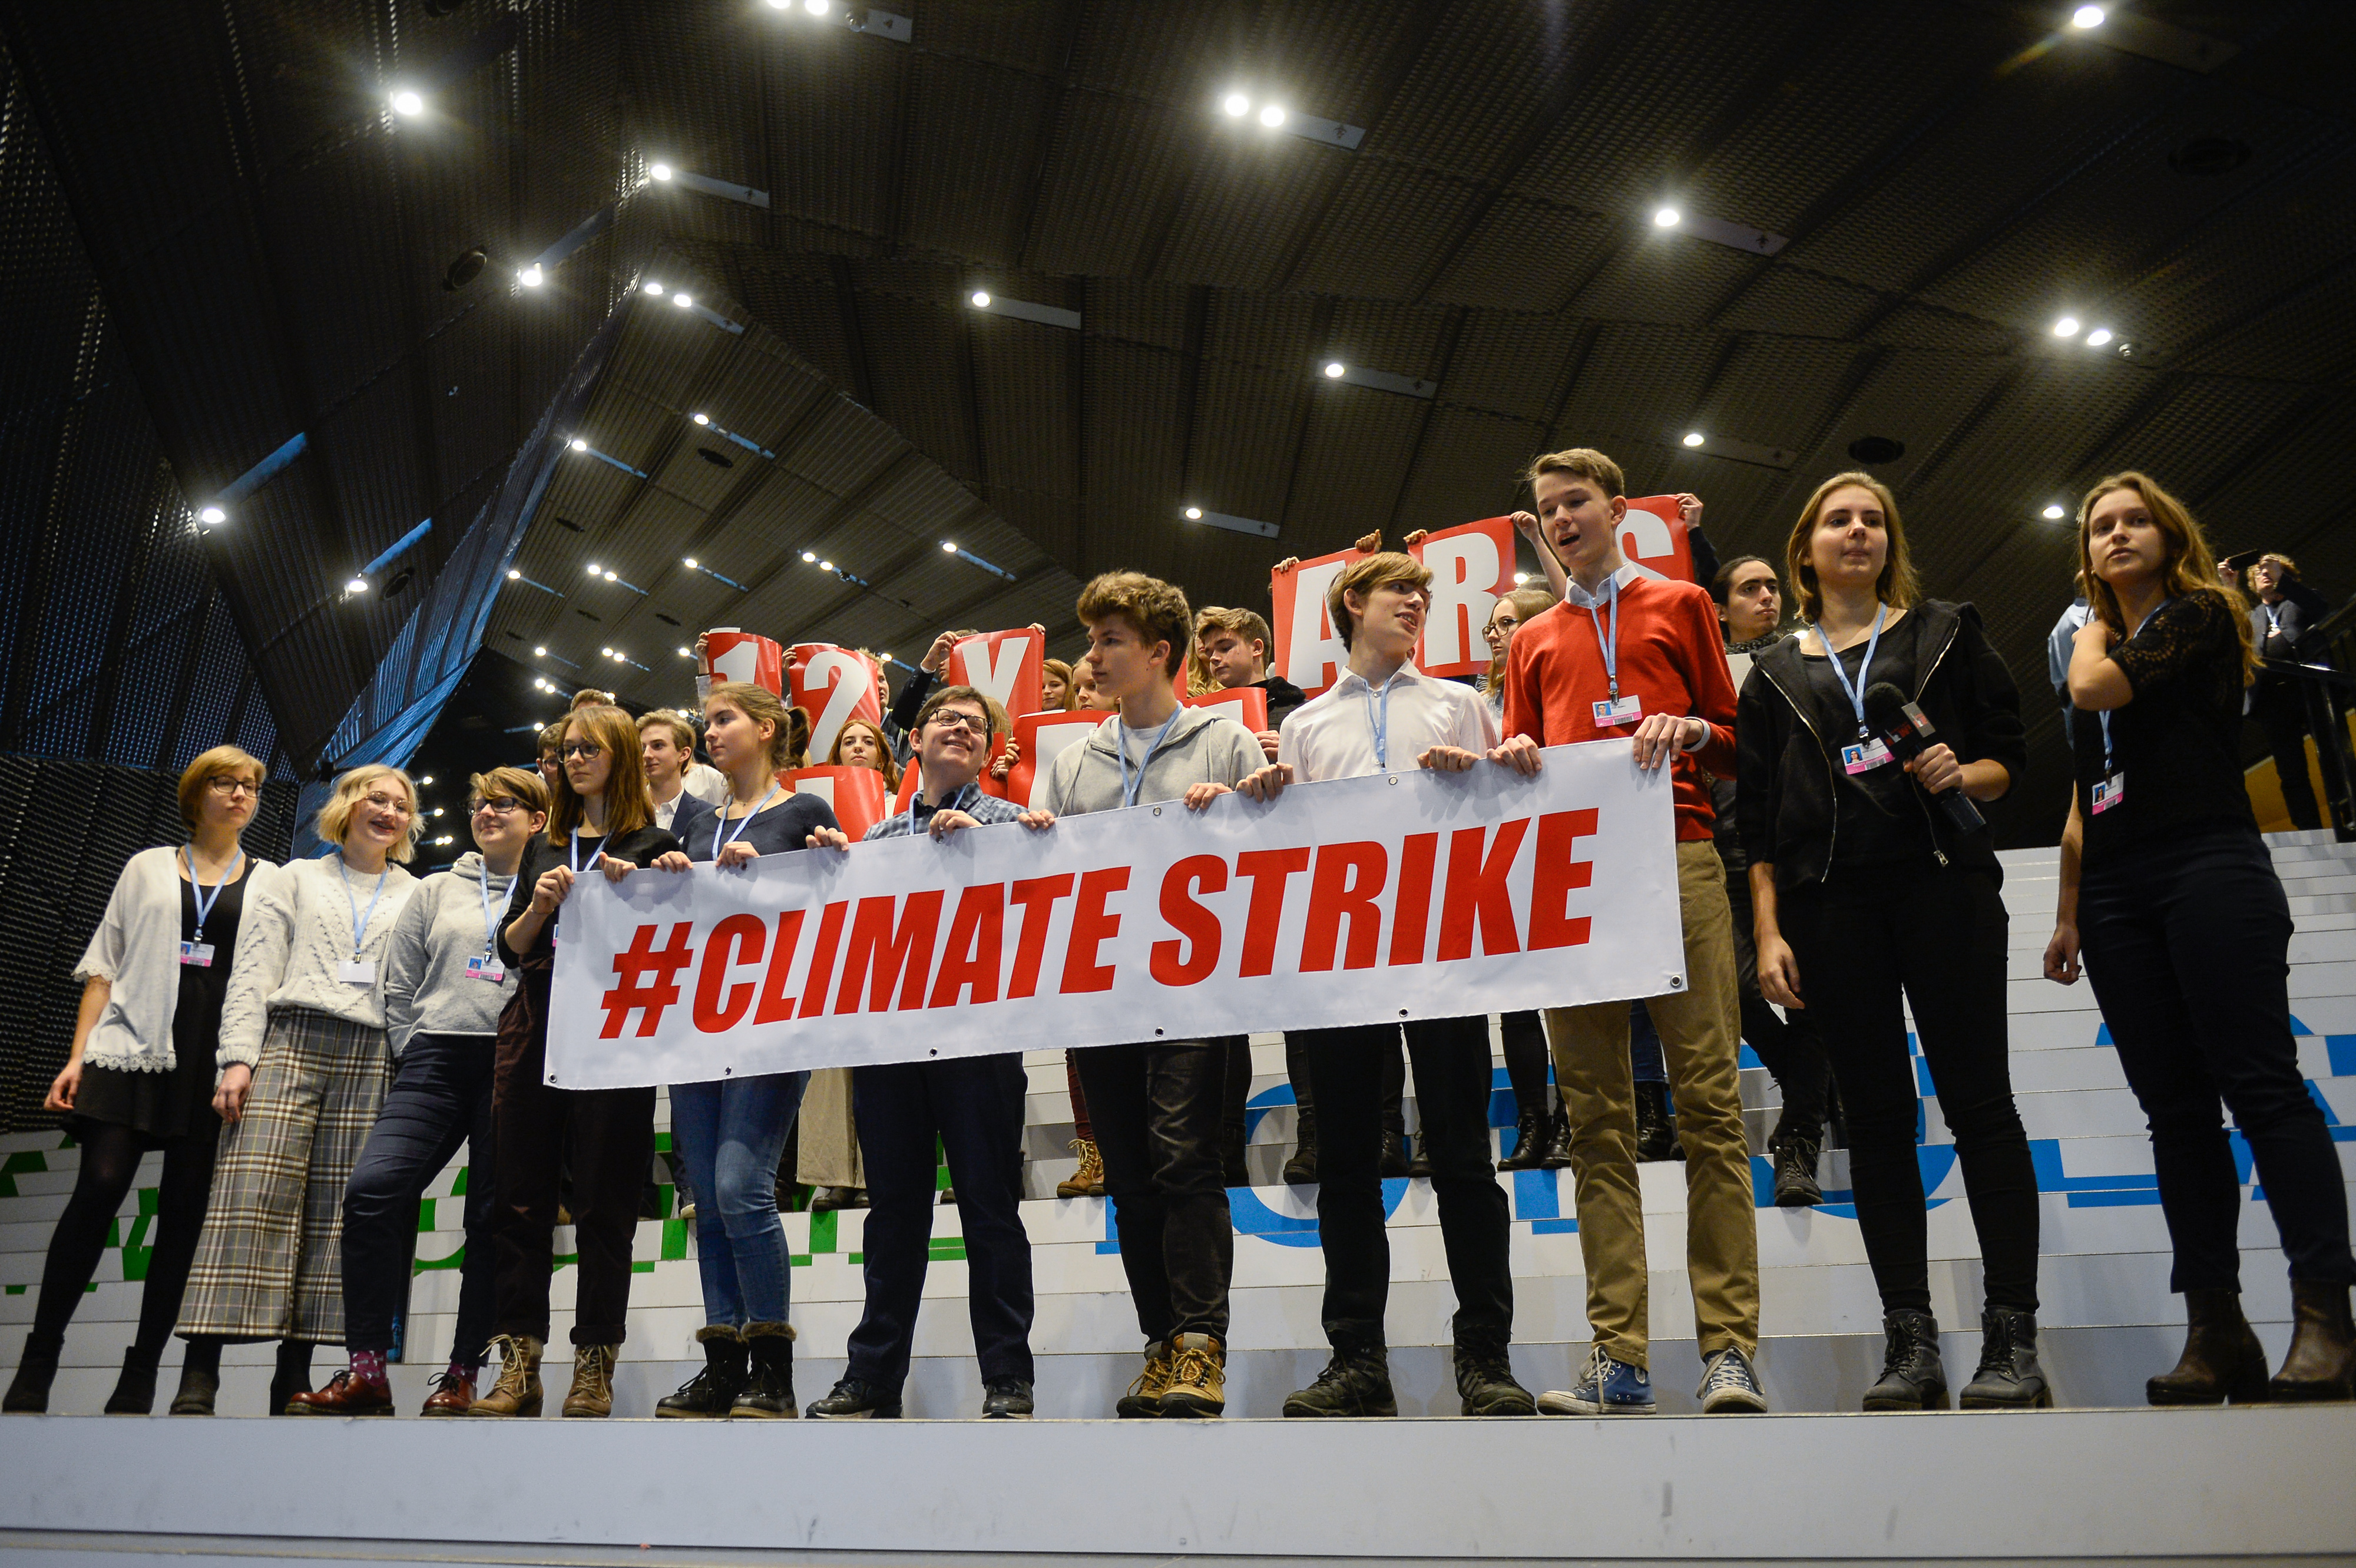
x=2098, y=337
x=701, y=418
x=1334, y=368
x=982, y=299
x=818, y=7
x=2054, y=512
x=1273, y=116
x=654, y=288
x=594, y=569
x=1520, y=577
x=408, y=102
x=530, y=276
x=516, y=576
x=539, y=653
x=659, y=171
x=2087, y=16
x=606, y=652
x=1693, y=437
x=611, y=578
x=682, y=299
x=687, y=653
x=2066, y=327
x=357, y=585
x=1236, y=104
x=619, y=656
x=808, y=556
x=689, y=560
x=579, y=445
x=212, y=514
x=826, y=565
x=1668, y=217
x=949, y=545
x=1194, y=514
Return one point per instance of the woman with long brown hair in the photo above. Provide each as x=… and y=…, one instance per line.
x=602, y=819
x=2168, y=895
x=860, y=744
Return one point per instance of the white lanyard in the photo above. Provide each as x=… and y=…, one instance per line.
x=2105, y=716
x=718, y=843
x=490, y=929
x=197, y=888
x=2274, y=621
x=573, y=859
x=1378, y=720
x=360, y=921
x=1856, y=693
x=1128, y=791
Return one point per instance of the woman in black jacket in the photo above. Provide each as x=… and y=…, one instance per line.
x=602, y=819
x=1862, y=891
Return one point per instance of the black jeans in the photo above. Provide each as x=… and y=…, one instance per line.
x=2186, y=944
x=1939, y=936
x=1391, y=1064
x=1787, y=1045
x=1524, y=1036
x=440, y=1098
x=974, y=1106
x=2280, y=708
x=1155, y=1110
x=1451, y=1100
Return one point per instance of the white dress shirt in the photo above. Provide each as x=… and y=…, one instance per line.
x=1333, y=736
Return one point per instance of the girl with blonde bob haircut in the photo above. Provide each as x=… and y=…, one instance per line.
x=140, y=1076
x=305, y=1059
x=1896, y=586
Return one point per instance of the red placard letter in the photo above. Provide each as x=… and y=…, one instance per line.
x=882, y=948
x=1348, y=879
x=1269, y=870
x=1006, y=665
x=1091, y=929
x=977, y=943
x=739, y=939
x=1477, y=891
x=1037, y=896
x=1554, y=879
x=1199, y=926
x=1411, y=910
x=776, y=1005
x=1472, y=569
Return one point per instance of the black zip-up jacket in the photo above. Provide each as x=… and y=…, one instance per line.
x=1788, y=767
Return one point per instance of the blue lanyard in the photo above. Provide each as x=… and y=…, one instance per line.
x=1856, y=693
x=360, y=921
x=1379, y=721
x=2103, y=718
x=742, y=823
x=1128, y=791
x=1609, y=644
x=2274, y=621
x=918, y=812
x=197, y=888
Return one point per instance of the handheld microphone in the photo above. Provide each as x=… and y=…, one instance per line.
x=1909, y=734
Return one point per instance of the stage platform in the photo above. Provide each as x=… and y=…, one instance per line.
x=2113, y=1486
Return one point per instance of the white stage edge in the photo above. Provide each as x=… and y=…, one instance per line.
x=2260, y=1482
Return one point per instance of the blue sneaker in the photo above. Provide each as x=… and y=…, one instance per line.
x=1606, y=1388
x=1729, y=1385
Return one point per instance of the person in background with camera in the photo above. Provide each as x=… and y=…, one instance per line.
x=445, y=988
x=730, y=1131
x=1866, y=896
x=2285, y=623
x=2168, y=897
x=304, y=1061
x=140, y=1076
x=600, y=822
x=1749, y=609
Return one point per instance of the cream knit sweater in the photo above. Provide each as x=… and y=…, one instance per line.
x=294, y=936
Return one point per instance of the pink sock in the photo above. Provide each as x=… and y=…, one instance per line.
x=466, y=1370
x=367, y=1367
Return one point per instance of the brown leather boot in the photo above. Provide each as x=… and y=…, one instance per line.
x=593, y=1382
x=1088, y=1181
x=2321, y=1362
x=2222, y=1358
x=345, y=1394
x=518, y=1391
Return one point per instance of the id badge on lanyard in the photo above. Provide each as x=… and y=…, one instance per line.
x=198, y=955
x=1615, y=710
x=2108, y=792
x=486, y=966
x=1864, y=755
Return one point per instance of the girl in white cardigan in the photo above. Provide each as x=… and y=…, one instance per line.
x=303, y=1064
x=141, y=1074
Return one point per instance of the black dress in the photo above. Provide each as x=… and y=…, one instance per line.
x=163, y=1107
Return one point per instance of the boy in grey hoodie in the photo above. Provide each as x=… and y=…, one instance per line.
x=1156, y=1106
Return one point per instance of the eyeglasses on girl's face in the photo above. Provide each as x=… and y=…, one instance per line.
x=572, y=748
x=392, y=803
x=226, y=785
x=498, y=806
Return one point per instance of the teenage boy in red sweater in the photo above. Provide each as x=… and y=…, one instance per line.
x=1630, y=657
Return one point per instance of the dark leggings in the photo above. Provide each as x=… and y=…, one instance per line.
x=109, y=1163
x=1526, y=1062
x=1938, y=935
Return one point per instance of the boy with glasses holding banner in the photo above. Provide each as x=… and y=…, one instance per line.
x=1154, y=1106
x=1381, y=715
x=1628, y=656
x=973, y=1105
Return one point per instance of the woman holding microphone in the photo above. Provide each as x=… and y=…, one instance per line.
x=1863, y=894
x=730, y=1131
x=602, y=821
x=2168, y=895
x=141, y=1073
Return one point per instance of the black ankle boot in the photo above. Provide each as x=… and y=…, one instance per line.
x=1233, y=1168
x=28, y=1393
x=2321, y=1362
x=2222, y=1358
x=1356, y=1381
x=134, y=1391
x=293, y=1376
x=768, y=1392
x=1557, y=1149
x=199, y=1386
x=708, y=1395
x=2008, y=1376
x=1911, y=1376
x=1656, y=1135
x=1529, y=1142
x=1394, y=1157
x=1302, y=1169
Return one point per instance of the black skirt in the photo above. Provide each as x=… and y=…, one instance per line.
x=164, y=1107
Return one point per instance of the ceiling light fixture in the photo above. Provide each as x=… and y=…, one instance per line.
x=594, y=569
x=1194, y=514
x=1334, y=368
x=606, y=652
x=982, y=299
x=654, y=288
x=1273, y=116
x=808, y=556
x=212, y=514
x=514, y=575
x=689, y=561
x=357, y=585
x=2054, y=512
x=687, y=653
x=579, y=445
x=427, y=780
x=408, y=102
x=701, y=418
x=1668, y=217
x=659, y=171
x=1236, y=104
x=611, y=578
x=2087, y=16
x=2098, y=337
x=1693, y=437
x=539, y=653
x=818, y=7
x=530, y=276
x=2066, y=327
x=949, y=545
x=682, y=299
x=1520, y=577
x=826, y=565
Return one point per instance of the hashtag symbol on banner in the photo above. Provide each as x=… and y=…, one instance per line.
x=638, y=992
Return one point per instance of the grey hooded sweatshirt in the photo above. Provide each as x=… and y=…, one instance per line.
x=427, y=987
x=1202, y=746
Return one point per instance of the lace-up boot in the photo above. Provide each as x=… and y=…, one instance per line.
x=1144, y=1395
x=518, y=1391
x=1198, y=1376
x=1355, y=1382
x=1912, y=1375
x=2008, y=1376
x=592, y=1394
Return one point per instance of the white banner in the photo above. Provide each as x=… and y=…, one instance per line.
x=1411, y=894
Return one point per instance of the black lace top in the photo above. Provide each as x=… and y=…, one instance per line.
x=2177, y=743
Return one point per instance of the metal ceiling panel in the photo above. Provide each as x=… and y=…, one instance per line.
x=1775, y=393
x=1133, y=426
x=1641, y=381
x=1356, y=452
x=1244, y=438
x=1248, y=211
x=1113, y=168
x=1388, y=226
x=1471, y=465
x=1528, y=255
x=835, y=101
x=976, y=135
x=1794, y=302
x=1510, y=364
x=1477, y=86
x=1149, y=313
x=1276, y=333
x=1023, y=383
x=1666, y=277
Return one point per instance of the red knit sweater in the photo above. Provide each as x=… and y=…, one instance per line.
x=1671, y=654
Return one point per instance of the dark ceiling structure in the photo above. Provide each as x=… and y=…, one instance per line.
x=1884, y=210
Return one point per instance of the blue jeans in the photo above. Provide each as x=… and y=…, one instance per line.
x=1645, y=1062
x=440, y=1098
x=731, y=1133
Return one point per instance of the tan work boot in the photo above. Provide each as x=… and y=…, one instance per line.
x=593, y=1382
x=1198, y=1376
x=1144, y=1396
x=518, y=1391
x=1088, y=1180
